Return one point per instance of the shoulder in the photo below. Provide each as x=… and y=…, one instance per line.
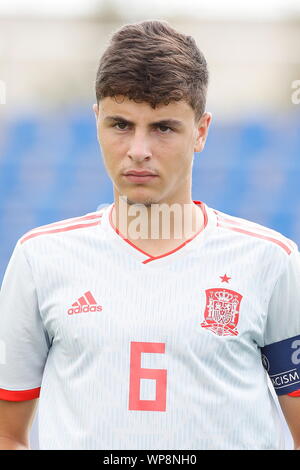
x=63, y=227
x=247, y=229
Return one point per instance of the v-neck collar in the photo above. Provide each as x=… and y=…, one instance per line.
x=143, y=256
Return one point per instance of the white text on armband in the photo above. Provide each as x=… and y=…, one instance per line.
x=282, y=362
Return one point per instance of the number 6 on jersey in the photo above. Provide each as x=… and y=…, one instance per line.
x=137, y=373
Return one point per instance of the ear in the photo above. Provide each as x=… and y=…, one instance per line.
x=202, y=131
x=96, y=110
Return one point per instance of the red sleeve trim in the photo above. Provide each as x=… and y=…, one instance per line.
x=294, y=394
x=22, y=395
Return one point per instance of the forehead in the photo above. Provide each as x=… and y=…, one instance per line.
x=143, y=111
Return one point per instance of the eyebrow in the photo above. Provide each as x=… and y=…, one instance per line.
x=162, y=122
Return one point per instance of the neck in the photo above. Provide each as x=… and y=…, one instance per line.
x=179, y=221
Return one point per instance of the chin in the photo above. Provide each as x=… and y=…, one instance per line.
x=140, y=201
x=132, y=199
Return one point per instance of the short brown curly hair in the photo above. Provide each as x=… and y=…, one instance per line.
x=152, y=62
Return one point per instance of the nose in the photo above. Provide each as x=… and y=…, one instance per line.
x=139, y=148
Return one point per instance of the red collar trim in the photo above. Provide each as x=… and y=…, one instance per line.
x=152, y=258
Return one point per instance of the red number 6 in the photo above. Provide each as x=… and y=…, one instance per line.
x=137, y=373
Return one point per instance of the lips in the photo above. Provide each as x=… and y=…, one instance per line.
x=139, y=173
x=139, y=176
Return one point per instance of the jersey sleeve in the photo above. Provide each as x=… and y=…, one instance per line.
x=24, y=344
x=281, y=350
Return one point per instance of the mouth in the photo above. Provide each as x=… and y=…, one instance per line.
x=140, y=179
x=139, y=176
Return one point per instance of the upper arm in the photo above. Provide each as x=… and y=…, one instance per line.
x=15, y=422
x=291, y=410
x=23, y=338
x=281, y=348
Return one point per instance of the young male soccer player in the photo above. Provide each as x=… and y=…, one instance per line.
x=151, y=342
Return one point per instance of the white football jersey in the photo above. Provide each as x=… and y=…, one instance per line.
x=130, y=351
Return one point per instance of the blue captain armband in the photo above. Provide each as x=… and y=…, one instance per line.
x=282, y=362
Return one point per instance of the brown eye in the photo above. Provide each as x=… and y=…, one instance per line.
x=120, y=125
x=164, y=129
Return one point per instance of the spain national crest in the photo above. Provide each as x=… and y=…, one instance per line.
x=221, y=313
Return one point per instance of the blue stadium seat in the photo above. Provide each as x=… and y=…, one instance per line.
x=51, y=169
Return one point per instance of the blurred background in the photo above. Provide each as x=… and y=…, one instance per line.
x=50, y=163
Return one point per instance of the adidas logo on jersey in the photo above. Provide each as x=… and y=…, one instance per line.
x=86, y=303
